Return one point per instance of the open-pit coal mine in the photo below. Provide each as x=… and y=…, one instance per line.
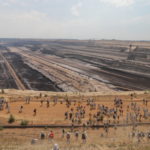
x=74, y=65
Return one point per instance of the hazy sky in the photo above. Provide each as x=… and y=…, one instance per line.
x=82, y=19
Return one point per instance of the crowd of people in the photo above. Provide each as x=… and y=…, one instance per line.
x=66, y=135
x=90, y=112
x=99, y=113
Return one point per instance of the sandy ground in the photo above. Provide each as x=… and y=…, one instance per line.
x=119, y=139
x=20, y=139
x=54, y=114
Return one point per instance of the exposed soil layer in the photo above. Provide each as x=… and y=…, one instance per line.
x=6, y=80
x=32, y=79
x=122, y=79
x=126, y=80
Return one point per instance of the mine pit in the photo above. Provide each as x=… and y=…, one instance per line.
x=75, y=66
x=31, y=78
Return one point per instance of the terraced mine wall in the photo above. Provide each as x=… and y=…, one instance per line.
x=6, y=80
x=128, y=74
x=102, y=61
x=30, y=78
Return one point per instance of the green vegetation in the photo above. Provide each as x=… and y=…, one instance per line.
x=1, y=128
x=24, y=122
x=11, y=119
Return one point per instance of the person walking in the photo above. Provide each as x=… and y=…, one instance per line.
x=34, y=112
x=68, y=136
x=56, y=147
x=51, y=135
x=84, y=137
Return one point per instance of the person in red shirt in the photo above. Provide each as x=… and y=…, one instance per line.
x=51, y=135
